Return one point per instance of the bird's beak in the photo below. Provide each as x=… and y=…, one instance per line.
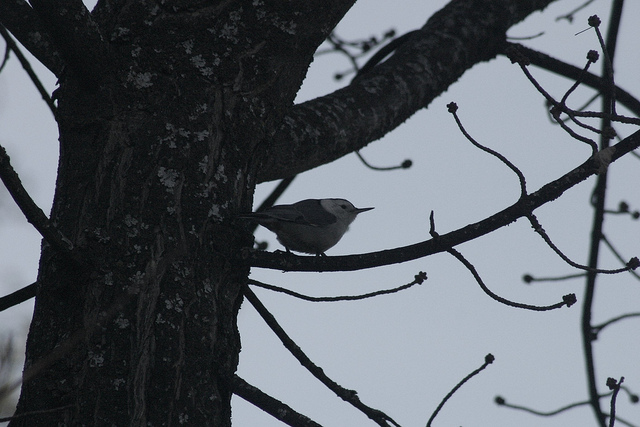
x=360, y=210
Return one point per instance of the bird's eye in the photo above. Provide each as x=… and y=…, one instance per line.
x=343, y=206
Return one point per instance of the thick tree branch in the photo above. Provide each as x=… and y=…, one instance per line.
x=75, y=35
x=21, y=20
x=462, y=34
x=521, y=208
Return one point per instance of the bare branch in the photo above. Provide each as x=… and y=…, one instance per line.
x=528, y=278
x=383, y=98
x=567, y=300
x=418, y=280
x=523, y=207
x=19, y=296
x=21, y=20
x=502, y=402
x=630, y=266
x=270, y=405
x=404, y=165
x=31, y=211
x=349, y=396
x=488, y=359
x=598, y=202
x=615, y=387
x=617, y=254
x=75, y=35
x=598, y=328
x=453, y=109
x=27, y=67
x=562, y=68
x=516, y=57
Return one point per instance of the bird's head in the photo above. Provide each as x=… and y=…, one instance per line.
x=342, y=209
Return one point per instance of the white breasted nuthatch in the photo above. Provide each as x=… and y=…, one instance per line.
x=311, y=226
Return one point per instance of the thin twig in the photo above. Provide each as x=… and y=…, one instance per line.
x=502, y=402
x=596, y=329
x=608, y=49
x=527, y=278
x=617, y=254
x=488, y=359
x=404, y=165
x=29, y=70
x=276, y=193
x=615, y=387
x=31, y=211
x=557, y=107
x=349, y=396
x=453, y=108
x=535, y=224
x=569, y=16
x=567, y=300
x=419, y=279
x=569, y=71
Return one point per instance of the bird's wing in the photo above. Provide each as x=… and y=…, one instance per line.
x=306, y=212
x=313, y=213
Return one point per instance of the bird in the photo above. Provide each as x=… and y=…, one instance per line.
x=309, y=226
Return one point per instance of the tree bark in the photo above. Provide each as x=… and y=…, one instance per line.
x=160, y=113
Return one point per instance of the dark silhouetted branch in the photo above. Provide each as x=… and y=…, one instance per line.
x=21, y=20
x=569, y=15
x=349, y=396
x=19, y=296
x=523, y=207
x=598, y=202
x=31, y=211
x=453, y=108
x=614, y=386
x=28, y=69
x=629, y=266
x=76, y=36
x=488, y=359
x=404, y=165
x=527, y=278
x=418, y=280
x=554, y=65
x=271, y=405
x=617, y=255
x=596, y=329
x=567, y=300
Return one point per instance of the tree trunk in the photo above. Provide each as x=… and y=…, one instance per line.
x=163, y=109
x=156, y=159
